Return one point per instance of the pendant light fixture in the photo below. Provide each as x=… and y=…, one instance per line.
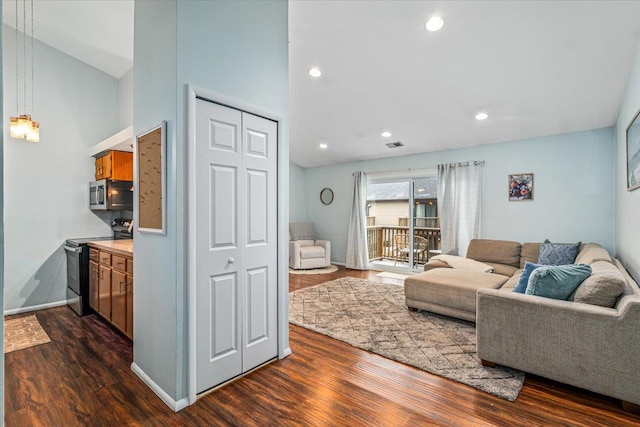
x=22, y=127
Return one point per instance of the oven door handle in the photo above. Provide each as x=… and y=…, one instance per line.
x=72, y=249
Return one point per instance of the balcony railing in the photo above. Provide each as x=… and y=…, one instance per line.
x=381, y=241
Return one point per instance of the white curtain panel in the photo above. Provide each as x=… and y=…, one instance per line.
x=459, y=203
x=357, y=250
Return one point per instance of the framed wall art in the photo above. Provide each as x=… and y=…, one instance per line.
x=520, y=187
x=633, y=153
x=151, y=150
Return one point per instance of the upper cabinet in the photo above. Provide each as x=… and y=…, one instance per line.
x=117, y=165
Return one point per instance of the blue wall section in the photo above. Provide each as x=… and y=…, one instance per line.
x=573, y=189
x=297, y=184
x=627, y=203
x=237, y=50
x=154, y=99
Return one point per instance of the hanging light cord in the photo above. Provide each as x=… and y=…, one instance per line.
x=24, y=52
x=17, y=72
x=33, y=88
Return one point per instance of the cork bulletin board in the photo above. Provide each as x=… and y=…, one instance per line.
x=151, y=149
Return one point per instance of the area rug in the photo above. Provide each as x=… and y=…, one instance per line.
x=22, y=333
x=372, y=316
x=325, y=270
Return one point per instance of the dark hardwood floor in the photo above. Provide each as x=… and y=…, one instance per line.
x=82, y=378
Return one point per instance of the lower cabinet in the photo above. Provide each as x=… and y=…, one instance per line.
x=104, y=292
x=94, y=275
x=111, y=288
x=119, y=300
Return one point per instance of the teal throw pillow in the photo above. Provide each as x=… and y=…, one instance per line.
x=557, y=282
x=558, y=253
x=521, y=286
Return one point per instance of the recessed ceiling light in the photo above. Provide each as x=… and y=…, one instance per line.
x=385, y=134
x=323, y=146
x=482, y=116
x=435, y=23
x=315, y=72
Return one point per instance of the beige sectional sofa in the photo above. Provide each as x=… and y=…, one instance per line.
x=588, y=346
x=443, y=290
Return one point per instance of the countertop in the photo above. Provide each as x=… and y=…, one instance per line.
x=121, y=247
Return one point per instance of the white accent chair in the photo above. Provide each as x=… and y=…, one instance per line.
x=305, y=251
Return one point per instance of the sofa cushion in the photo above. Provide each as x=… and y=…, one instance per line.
x=558, y=253
x=513, y=280
x=496, y=251
x=530, y=252
x=521, y=286
x=451, y=288
x=557, y=282
x=505, y=270
x=592, y=252
x=309, y=252
x=603, y=287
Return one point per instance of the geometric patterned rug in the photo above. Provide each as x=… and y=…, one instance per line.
x=22, y=333
x=373, y=316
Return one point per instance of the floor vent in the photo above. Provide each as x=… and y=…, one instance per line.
x=394, y=144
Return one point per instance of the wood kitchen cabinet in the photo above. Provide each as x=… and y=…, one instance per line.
x=94, y=274
x=112, y=275
x=117, y=165
x=104, y=292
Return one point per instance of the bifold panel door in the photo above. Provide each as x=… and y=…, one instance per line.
x=236, y=242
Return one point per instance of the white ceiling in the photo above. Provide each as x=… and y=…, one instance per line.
x=537, y=67
x=97, y=32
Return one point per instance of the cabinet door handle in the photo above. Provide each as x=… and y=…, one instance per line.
x=125, y=288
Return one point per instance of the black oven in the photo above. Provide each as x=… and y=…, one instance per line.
x=78, y=273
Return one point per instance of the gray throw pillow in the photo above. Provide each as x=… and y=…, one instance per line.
x=602, y=288
x=558, y=253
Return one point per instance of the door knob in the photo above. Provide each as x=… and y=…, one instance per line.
x=231, y=260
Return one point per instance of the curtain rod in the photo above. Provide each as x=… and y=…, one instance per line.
x=462, y=164
x=459, y=164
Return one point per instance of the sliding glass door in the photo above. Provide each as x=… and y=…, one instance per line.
x=402, y=222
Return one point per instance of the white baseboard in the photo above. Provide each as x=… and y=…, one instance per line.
x=287, y=352
x=338, y=263
x=35, y=307
x=175, y=406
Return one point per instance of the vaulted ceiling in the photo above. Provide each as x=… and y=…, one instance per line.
x=536, y=68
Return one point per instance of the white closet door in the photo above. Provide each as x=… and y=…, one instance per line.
x=260, y=330
x=236, y=242
x=219, y=235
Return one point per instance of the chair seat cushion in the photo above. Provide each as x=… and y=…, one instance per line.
x=308, y=252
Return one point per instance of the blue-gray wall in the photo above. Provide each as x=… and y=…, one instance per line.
x=125, y=99
x=47, y=184
x=573, y=189
x=155, y=346
x=1, y=232
x=627, y=203
x=297, y=184
x=235, y=49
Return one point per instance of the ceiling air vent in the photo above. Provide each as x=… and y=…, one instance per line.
x=394, y=144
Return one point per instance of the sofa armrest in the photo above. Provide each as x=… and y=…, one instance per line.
x=434, y=263
x=327, y=250
x=587, y=346
x=294, y=254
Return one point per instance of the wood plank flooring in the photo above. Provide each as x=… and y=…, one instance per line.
x=82, y=378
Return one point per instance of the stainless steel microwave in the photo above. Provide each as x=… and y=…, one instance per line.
x=108, y=195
